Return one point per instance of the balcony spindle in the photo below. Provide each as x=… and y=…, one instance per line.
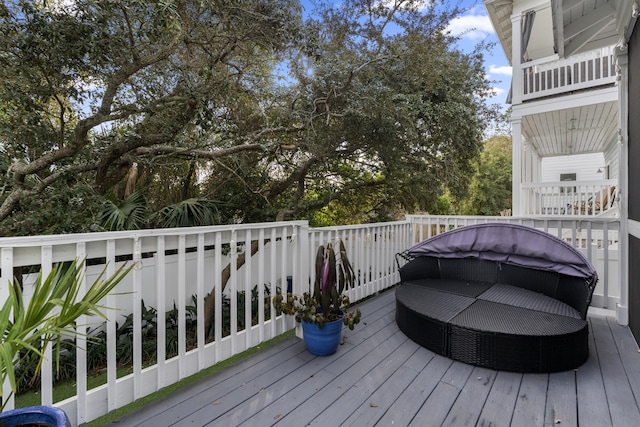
x=261, y=282
x=217, y=289
x=200, y=293
x=182, y=318
x=233, y=290
x=6, y=278
x=247, y=290
x=273, y=279
x=112, y=363
x=137, y=319
x=160, y=289
x=46, y=373
x=81, y=342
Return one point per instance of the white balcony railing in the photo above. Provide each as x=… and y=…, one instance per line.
x=590, y=69
x=570, y=198
x=177, y=268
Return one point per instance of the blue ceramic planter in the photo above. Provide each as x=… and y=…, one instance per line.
x=34, y=415
x=325, y=341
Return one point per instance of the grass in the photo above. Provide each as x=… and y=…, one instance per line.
x=65, y=389
x=140, y=403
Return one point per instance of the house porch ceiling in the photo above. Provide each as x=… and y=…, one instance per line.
x=578, y=130
x=578, y=25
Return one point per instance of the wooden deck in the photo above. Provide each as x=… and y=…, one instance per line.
x=381, y=378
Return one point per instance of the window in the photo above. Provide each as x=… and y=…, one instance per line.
x=567, y=177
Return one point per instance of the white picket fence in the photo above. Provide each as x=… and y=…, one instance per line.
x=172, y=266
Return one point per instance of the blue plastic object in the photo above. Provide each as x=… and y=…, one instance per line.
x=325, y=341
x=39, y=415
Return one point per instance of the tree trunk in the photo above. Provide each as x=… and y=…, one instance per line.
x=17, y=277
x=210, y=300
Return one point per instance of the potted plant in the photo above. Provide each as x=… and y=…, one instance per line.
x=50, y=315
x=324, y=311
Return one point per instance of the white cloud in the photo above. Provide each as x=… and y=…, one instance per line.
x=504, y=70
x=498, y=91
x=472, y=26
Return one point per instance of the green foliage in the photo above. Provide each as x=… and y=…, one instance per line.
x=89, y=89
x=66, y=209
x=26, y=371
x=327, y=302
x=187, y=213
x=50, y=316
x=131, y=214
x=389, y=134
x=490, y=190
x=235, y=111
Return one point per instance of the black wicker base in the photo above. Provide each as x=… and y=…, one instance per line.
x=500, y=327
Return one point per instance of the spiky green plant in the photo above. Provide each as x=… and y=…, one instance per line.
x=50, y=315
x=334, y=275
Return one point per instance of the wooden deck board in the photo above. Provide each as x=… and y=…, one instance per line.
x=498, y=408
x=593, y=409
x=623, y=409
x=380, y=378
x=629, y=355
x=468, y=406
x=439, y=402
x=562, y=404
x=530, y=405
x=361, y=392
x=411, y=399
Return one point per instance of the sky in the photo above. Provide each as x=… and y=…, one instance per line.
x=473, y=27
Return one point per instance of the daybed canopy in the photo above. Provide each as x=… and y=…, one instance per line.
x=508, y=243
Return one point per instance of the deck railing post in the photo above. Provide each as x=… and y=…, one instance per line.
x=46, y=373
x=6, y=277
x=81, y=341
x=303, y=250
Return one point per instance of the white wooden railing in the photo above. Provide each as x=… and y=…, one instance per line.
x=172, y=265
x=570, y=198
x=590, y=69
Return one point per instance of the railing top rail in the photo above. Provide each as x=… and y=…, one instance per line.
x=356, y=226
x=62, y=239
x=528, y=219
x=569, y=183
x=462, y=217
x=545, y=60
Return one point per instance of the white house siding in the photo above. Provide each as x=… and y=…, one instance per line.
x=612, y=159
x=585, y=166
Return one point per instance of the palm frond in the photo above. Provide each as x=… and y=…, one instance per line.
x=187, y=213
x=131, y=214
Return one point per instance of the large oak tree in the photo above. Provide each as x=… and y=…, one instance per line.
x=246, y=104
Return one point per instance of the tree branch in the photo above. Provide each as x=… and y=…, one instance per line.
x=189, y=152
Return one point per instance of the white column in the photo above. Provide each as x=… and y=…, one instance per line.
x=527, y=172
x=537, y=167
x=516, y=57
x=622, y=59
x=516, y=162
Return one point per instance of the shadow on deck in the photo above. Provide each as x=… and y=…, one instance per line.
x=381, y=378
